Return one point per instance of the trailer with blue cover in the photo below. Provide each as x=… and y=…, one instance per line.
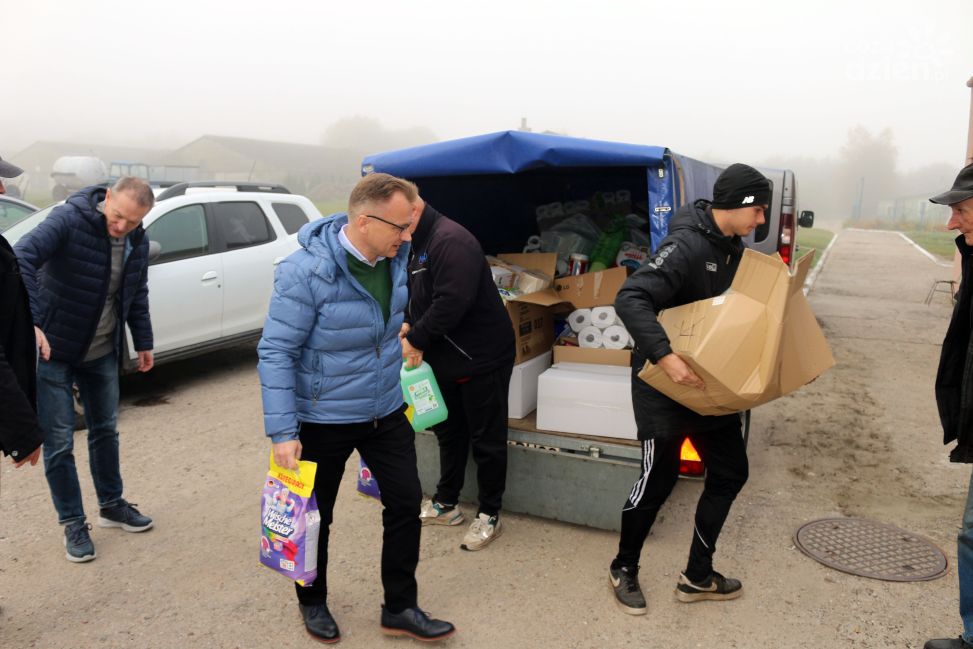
x=492, y=184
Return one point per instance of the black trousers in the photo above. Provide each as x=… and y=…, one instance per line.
x=724, y=453
x=477, y=416
x=388, y=448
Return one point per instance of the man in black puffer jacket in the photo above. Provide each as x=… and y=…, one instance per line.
x=697, y=260
x=457, y=323
x=86, y=271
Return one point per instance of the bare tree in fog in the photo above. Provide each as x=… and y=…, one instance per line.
x=866, y=172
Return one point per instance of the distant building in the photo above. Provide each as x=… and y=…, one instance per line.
x=316, y=171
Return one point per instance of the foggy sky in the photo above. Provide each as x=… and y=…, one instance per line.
x=720, y=81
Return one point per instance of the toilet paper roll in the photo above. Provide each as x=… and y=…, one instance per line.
x=533, y=244
x=579, y=319
x=590, y=338
x=603, y=316
x=615, y=337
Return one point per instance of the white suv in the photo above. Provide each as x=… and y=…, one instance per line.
x=213, y=249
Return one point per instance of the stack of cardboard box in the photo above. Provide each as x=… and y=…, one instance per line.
x=532, y=316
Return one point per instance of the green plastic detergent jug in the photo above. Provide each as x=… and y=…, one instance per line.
x=426, y=405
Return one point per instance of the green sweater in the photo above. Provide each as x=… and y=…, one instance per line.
x=377, y=280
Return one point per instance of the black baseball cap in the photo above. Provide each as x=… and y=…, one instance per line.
x=961, y=190
x=8, y=170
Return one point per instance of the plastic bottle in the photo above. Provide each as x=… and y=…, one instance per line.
x=421, y=392
x=608, y=245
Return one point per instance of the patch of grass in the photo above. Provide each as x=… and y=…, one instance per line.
x=941, y=244
x=816, y=238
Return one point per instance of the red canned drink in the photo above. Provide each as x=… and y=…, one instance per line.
x=578, y=264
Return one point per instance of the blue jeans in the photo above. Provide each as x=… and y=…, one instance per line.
x=964, y=567
x=97, y=382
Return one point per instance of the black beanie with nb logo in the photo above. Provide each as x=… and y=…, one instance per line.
x=740, y=185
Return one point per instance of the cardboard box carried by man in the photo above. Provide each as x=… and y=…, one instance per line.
x=756, y=342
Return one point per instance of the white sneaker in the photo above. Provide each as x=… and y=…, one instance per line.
x=483, y=530
x=433, y=513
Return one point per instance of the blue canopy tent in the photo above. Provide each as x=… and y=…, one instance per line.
x=493, y=183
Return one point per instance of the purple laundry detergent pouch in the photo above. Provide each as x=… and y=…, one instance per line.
x=367, y=485
x=290, y=522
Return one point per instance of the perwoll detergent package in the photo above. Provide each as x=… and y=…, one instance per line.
x=290, y=522
x=367, y=485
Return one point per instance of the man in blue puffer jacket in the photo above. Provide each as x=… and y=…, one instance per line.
x=86, y=271
x=329, y=370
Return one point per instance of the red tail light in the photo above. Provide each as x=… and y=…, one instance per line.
x=785, y=247
x=690, y=463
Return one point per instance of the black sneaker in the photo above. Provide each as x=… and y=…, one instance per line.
x=124, y=515
x=628, y=593
x=415, y=623
x=716, y=586
x=319, y=623
x=77, y=542
x=947, y=643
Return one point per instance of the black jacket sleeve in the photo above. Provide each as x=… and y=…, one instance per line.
x=455, y=273
x=20, y=434
x=650, y=289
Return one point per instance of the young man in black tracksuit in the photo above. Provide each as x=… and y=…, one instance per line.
x=457, y=323
x=697, y=260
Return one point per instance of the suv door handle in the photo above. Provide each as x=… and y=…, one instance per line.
x=209, y=275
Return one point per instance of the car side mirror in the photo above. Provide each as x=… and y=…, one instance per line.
x=155, y=249
x=806, y=220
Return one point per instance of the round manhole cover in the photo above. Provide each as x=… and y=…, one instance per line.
x=871, y=549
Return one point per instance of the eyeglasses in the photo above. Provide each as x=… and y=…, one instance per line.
x=400, y=228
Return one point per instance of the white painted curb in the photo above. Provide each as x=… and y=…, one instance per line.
x=813, y=275
x=928, y=254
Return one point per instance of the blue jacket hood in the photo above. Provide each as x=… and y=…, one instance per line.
x=320, y=239
x=318, y=232
x=86, y=202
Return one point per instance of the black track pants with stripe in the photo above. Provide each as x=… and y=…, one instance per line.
x=724, y=453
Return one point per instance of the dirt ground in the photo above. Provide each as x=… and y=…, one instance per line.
x=863, y=440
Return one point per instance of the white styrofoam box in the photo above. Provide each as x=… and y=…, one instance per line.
x=586, y=399
x=522, y=397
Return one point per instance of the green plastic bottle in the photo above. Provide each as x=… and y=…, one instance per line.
x=608, y=245
x=426, y=405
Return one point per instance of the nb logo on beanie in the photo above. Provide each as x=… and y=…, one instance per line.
x=747, y=200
